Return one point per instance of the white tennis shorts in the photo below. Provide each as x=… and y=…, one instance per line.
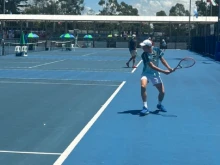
x=133, y=53
x=154, y=79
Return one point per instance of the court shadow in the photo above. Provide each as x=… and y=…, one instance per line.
x=126, y=67
x=156, y=112
x=132, y=112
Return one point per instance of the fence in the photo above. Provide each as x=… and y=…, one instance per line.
x=204, y=45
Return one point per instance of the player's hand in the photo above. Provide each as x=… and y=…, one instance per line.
x=166, y=72
x=171, y=69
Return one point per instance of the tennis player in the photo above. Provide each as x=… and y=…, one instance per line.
x=132, y=50
x=151, y=72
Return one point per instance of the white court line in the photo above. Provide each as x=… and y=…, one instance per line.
x=136, y=66
x=73, y=70
x=18, y=62
x=53, y=83
x=5, y=68
x=89, y=54
x=33, y=153
x=73, y=144
x=86, y=69
x=96, y=52
x=109, y=49
x=55, y=79
x=45, y=64
x=61, y=69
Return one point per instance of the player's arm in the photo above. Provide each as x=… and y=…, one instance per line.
x=164, y=62
x=135, y=45
x=158, y=69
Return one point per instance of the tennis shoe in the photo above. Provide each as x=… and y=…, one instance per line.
x=127, y=64
x=161, y=107
x=144, y=111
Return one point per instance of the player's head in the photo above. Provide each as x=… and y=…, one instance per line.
x=146, y=45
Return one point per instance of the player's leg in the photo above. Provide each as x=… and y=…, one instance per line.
x=134, y=54
x=131, y=58
x=160, y=87
x=127, y=63
x=144, y=82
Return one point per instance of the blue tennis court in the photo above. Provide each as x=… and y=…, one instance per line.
x=82, y=108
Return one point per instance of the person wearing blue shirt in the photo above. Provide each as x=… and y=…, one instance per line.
x=151, y=72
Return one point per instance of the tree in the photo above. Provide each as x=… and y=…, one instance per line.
x=201, y=8
x=109, y=7
x=73, y=7
x=12, y=6
x=161, y=27
x=112, y=7
x=178, y=10
x=206, y=10
x=43, y=7
x=161, y=13
x=125, y=9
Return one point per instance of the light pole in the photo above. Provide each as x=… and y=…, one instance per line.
x=3, y=23
x=54, y=23
x=3, y=6
x=189, y=28
x=218, y=32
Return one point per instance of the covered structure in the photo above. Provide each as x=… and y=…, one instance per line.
x=98, y=18
x=94, y=21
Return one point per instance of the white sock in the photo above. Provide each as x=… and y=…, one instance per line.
x=145, y=104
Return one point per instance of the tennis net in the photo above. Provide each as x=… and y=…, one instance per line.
x=61, y=45
x=9, y=47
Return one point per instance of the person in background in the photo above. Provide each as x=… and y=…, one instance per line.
x=133, y=51
x=151, y=40
x=163, y=44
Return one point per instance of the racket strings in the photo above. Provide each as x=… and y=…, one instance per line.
x=187, y=63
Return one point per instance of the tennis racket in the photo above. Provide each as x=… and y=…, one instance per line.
x=186, y=62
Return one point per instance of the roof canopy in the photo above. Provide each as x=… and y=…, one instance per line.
x=107, y=19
